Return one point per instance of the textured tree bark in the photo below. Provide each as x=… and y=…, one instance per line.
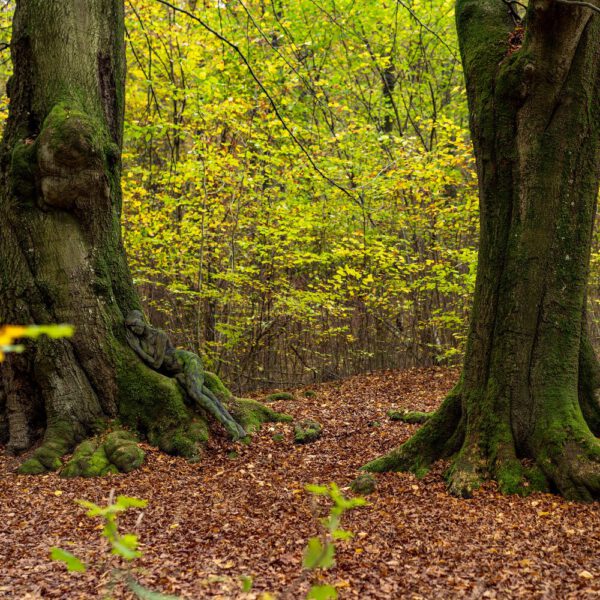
x=526, y=410
x=61, y=254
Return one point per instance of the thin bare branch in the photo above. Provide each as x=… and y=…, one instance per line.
x=427, y=28
x=264, y=90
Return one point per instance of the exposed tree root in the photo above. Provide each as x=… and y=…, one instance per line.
x=570, y=459
x=58, y=440
x=438, y=438
x=152, y=406
x=116, y=452
x=589, y=384
x=252, y=414
x=249, y=413
x=470, y=468
x=409, y=416
x=562, y=454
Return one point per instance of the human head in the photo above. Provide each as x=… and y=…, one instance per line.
x=135, y=322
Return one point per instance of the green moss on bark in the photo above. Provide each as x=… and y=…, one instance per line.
x=307, y=431
x=217, y=387
x=439, y=437
x=23, y=171
x=148, y=401
x=409, y=416
x=536, y=480
x=60, y=437
x=252, y=414
x=180, y=442
x=81, y=461
x=198, y=431
x=567, y=453
x=279, y=396
x=122, y=451
x=116, y=452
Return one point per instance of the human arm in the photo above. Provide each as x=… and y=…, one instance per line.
x=134, y=344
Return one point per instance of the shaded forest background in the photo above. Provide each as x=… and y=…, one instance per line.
x=325, y=228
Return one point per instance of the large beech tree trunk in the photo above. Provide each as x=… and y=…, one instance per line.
x=61, y=254
x=526, y=409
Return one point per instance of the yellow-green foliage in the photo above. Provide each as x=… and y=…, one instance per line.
x=251, y=254
x=275, y=271
x=226, y=219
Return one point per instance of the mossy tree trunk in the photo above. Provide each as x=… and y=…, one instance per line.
x=526, y=410
x=61, y=253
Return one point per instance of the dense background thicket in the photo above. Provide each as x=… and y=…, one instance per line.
x=283, y=269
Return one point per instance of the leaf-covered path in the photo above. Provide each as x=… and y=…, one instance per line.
x=243, y=511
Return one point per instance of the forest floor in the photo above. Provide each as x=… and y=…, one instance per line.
x=243, y=510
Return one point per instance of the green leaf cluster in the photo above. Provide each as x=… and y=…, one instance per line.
x=123, y=545
x=320, y=551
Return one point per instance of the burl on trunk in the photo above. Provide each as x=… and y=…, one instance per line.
x=62, y=258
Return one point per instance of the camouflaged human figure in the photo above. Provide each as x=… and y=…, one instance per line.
x=155, y=349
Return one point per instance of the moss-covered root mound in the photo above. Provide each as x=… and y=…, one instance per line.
x=115, y=452
x=364, y=484
x=279, y=396
x=307, y=431
x=58, y=440
x=252, y=414
x=156, y=407
x=566, y=463
x=409, y=416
